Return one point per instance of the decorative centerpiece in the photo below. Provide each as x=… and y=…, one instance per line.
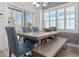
x=47, y=29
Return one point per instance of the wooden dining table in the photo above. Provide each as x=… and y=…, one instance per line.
x=49, y=49
x=37, y=35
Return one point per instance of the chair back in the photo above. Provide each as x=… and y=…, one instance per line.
x=27, y=29
x=12, y=40
x=35, y=29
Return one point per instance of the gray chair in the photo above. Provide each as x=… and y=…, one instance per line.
x=27, y=29
x=35, y=29
x=53, y=28
x=15, y=46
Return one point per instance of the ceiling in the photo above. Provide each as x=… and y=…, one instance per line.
x=53, y=4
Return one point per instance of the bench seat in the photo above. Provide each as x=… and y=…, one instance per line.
x=50, y=49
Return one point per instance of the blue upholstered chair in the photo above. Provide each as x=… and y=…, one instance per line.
x=53, y=28
x=15, y=46
x=35, y=29
x=27, y=29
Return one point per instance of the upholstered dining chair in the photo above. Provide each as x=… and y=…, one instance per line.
x=35, y=29
x=53, y=28
x=15, y=46
x=27, y=29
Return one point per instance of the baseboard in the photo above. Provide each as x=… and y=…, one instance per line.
x=73, y=45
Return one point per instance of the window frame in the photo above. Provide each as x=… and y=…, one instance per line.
x=72, y=18
x=25, y=19
x=23, y=16
x=13, y=9
x=65, y=6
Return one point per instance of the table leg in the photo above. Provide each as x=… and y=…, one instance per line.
x=39, y=43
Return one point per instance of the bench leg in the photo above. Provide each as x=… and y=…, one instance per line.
x=65, y=46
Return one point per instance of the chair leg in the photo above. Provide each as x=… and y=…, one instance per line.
x=9, y=54
x=43, y=41
x=27, y=55
x=24, y=40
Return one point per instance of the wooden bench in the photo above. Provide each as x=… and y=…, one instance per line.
x=50, y=49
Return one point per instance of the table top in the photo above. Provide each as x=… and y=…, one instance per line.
x=38, y=35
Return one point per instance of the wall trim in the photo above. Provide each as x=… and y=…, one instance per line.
x=73, y=45
x=60, y=6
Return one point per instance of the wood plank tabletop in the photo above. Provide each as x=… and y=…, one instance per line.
x=38, y=35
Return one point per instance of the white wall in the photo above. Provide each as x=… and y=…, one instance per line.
x=3, y=37
x=4, y=22
x=26, y=6
x=37, y=21
x=37, y=17
x=54, y=4
x=67, y=5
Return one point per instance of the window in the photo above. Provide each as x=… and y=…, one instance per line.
x=70, y=18
x=28, y=18
x=19, y=18
x=52, y=20
x=46, y=20
x=15, y=18
x=60, y=18
x=49, y=19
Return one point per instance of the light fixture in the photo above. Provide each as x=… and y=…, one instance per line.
x=38, y=4
x=45, y=4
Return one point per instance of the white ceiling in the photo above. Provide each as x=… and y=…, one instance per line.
x=53, y=4
x=29, y=5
